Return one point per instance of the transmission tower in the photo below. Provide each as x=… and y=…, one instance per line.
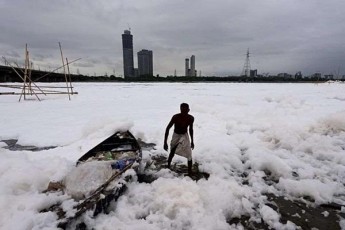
x=246, y=67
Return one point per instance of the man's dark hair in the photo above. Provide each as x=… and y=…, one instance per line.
x=184, y=105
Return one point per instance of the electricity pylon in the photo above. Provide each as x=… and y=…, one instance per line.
x=246, y=67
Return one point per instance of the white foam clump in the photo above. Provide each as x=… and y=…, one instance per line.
x=169, y=204
x=87, y=177
x=271, y=218
x=319, y=191
x=333, y=124
x=262, y=160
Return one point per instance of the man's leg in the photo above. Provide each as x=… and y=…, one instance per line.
x=171, y=155
x=190, y=164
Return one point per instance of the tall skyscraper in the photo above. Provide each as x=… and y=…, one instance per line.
x=192, y=66
x=187, y=67
x=190, y=72
x=127, y=46
x=145, y=62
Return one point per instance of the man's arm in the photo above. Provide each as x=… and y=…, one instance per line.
x=191, y=133
x=171, y=123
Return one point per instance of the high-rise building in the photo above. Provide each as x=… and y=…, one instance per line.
x=192, y=66
x=145, y=62
x=190, y=72
x=187, y=67
x=127, y=46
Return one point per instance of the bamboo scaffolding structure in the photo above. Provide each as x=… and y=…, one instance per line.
x=20, y=75
x=30, y=88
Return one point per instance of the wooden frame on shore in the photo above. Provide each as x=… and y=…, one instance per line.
x=30, y=88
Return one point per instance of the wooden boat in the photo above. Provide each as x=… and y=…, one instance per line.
x=115, y=147
x=117, y=154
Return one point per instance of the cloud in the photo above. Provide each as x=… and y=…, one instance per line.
x=283, y=36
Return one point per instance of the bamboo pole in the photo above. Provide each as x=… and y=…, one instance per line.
x=46, y=93
x=57, y=69
x=42, y=87
x=21, y=69
x=25, y=73
x=7, y=93
x=12, y=86
x=29, y=74
x=49, y=90
x=64, y=70
x=69, y=77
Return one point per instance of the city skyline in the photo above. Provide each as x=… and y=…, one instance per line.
x=283, y=36
x=144, y=57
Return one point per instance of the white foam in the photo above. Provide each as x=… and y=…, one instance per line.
x=241, y=131
x=87, y=177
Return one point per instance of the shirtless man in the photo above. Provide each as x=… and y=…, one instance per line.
x=180, y=143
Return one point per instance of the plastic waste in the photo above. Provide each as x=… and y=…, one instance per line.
x=121, y=164
x=108, y=156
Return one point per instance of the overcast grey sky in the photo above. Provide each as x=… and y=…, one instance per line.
x=282, y=35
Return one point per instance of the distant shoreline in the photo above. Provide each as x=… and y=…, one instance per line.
x=7, y=74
